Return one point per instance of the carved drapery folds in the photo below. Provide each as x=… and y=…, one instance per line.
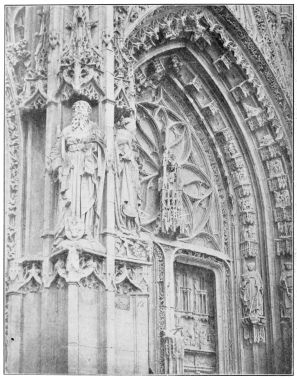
x=81, y=62
x=77, y=161
x=252, y=304
x=286, y=289
x=127, y=177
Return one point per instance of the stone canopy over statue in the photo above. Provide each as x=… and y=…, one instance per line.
x=77, y=161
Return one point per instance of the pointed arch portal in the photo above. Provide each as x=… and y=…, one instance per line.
x=190, y=269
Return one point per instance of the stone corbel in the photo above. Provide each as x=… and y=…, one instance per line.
x=249, y=249
x=254, y=333
x=74, y=266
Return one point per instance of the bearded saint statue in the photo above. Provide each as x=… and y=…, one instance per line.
x=77, y=161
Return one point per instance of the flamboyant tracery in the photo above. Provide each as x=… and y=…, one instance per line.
x=165, y=211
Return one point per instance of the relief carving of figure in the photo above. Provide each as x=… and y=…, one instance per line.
x=252, y=294
x=127, y=177
x=286, y=287
x=77, y=162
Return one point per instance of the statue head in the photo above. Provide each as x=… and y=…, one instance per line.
x=81, y=116
x=82, y=108
x=251, y=266
x=288, y=265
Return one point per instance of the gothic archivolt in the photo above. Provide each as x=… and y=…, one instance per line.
x=167, y=181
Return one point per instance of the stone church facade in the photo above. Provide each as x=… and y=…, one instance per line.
x=148, y=189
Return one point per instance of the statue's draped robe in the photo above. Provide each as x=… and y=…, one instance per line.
x=252, y=293
x=127, y=183
x=82, y=170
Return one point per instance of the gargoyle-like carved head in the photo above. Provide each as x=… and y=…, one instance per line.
x=74, y=229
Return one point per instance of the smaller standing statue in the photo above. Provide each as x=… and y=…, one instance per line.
x=286, y=287
x=77, y=162
x=252, y=294
x=127, y=177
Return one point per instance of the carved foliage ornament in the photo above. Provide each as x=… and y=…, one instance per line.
x=134, y=248
x=13, y=159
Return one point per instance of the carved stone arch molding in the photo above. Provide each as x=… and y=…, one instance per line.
x=149, y=189
x=226, y=83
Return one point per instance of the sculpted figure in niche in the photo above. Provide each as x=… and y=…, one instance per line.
x=77, y=161
x=127, y=177
x=252, y=294
x=286, y=287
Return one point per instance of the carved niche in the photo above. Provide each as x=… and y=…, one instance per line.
x=176, y=186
